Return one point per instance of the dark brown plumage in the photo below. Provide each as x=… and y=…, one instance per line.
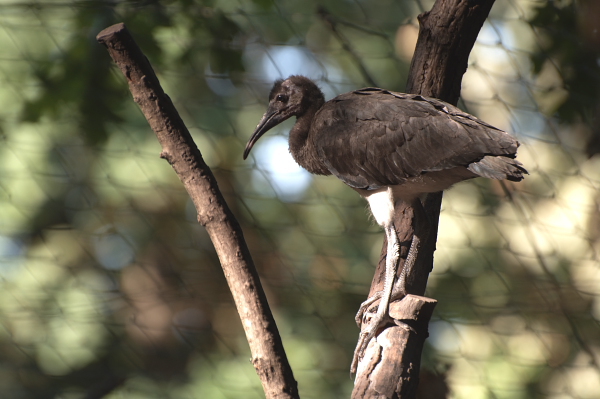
x=371, y=138
x=389, y=147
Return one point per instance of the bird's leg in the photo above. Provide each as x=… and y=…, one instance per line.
x=391, y=266
x=399, y=288
x=391, y=291
x=421, y=231
x=409, y=264
x=420, y=223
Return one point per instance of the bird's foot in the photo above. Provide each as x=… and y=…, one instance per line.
x=371, y=324
x=398, y=292
x=364, y=308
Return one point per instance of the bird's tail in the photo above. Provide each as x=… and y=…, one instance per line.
x=499, y=168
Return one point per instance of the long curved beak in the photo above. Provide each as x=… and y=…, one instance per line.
x=271, y=118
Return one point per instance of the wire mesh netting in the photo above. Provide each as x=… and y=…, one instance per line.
x=110, y=288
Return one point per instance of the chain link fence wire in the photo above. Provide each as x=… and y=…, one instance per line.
x=110, y=288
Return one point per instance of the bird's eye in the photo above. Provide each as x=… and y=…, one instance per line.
x=282, y=98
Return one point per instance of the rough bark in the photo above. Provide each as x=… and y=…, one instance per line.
x=178, y=148
x=403, y=341
x=447, y=35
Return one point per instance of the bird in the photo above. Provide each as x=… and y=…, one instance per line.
x=393, y=149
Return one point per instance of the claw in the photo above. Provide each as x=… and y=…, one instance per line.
x=364, y=308
x=369, y=330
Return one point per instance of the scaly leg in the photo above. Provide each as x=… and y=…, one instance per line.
x=409, y=264
x=390, y=290
x=421, y=225
x=399, y=288
x=391, y=266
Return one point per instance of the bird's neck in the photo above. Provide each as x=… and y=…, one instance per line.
x=302, y=145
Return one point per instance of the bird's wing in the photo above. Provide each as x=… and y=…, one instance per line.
x=371, y=138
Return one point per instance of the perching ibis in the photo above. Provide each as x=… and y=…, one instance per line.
x=390, y=147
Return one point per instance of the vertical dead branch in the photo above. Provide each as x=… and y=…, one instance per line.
x=178, y=148
x=390, y=367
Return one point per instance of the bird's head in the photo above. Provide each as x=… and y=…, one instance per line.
x=291, y=97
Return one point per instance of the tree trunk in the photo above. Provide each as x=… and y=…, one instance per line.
x=390, y=367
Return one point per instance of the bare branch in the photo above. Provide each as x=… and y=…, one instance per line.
x=178, y=148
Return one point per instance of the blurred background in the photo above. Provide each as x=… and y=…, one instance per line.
x=110, y=288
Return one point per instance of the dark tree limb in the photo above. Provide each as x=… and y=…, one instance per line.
x=178, y=148
x=447, y=35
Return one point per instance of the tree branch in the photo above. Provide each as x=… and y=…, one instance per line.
x=447, y=35
x=178, y=148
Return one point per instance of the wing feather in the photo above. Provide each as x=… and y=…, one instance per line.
x=372, y=138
